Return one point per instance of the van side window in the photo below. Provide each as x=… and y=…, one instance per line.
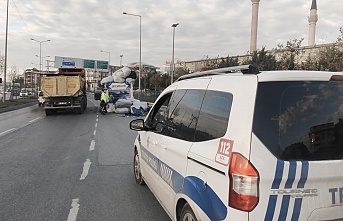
x=159, y=113
x=183, y=114
x=214, y=116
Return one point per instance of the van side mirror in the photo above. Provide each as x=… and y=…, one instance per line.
x=137, y=125
x=159, y=127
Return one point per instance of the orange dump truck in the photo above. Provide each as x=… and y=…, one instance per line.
x=64, y=90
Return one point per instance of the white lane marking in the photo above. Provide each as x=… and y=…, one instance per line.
x=91, y=147
x=97, y=120
x=96, y=125
x=36, y=119
x=85, y=170
x=94, y=132
x=73, y=210
x=14, y=129
x=7, y=131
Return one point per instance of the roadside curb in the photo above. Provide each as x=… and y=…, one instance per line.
x=16, y=107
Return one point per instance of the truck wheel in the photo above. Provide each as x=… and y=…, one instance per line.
x=48, y=112
x=83, y=105
x=187, y=213
x=78, y=110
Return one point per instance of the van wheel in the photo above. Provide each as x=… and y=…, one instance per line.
x=187, y=213
x=137, y=169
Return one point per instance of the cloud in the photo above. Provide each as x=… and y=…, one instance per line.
x=81, y=28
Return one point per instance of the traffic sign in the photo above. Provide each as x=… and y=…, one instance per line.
x=102, y=64
x=89, y=64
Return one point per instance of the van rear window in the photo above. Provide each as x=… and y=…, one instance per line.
x=300, y=120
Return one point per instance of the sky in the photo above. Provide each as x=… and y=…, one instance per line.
x=207, y=28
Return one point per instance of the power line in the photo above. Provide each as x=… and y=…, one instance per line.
x=22, y=18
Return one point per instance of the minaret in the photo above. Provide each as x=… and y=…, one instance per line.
x=312, y=22
x=254, y=22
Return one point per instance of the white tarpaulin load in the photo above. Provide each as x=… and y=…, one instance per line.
x=119, y=86
x=107, y=79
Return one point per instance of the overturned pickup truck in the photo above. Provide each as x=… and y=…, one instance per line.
x=64, y=90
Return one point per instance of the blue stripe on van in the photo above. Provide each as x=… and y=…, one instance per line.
x=278, y=174
x=288, y=185
x=301, y=184
x=276, y=185
x=296, y=209
x=286, y=198
x=284, y=207
x=291, y=174
x=304, y=174
x=206, y=199
x=271, y=208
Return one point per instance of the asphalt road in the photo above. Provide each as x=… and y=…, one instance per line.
x=70, y=167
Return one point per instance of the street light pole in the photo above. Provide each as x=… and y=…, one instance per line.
x=109, y=58
x=5, y=65
x=48, y=56
x=140, y=48
x=40, y=56
x=172, y=66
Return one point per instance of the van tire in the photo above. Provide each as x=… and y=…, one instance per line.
x=137, y=169
x=187, y=213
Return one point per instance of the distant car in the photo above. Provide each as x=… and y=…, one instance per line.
x=23, y=93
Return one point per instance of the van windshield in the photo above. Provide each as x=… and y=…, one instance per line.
x=300, y=120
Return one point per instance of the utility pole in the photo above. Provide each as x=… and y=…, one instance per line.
x=5, y=65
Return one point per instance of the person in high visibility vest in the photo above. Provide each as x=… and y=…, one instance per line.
x=103, y=101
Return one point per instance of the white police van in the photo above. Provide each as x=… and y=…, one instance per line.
x=239, y=144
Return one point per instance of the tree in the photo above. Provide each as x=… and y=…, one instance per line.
x=330, y=59
x=340, y=37
x=211, y=62
x=228, y=62
x=263, y=60
x=179, y=71
x=311, y=63
x=340, y=43
x=288, y=54
x=13, y=73
x=12, y=77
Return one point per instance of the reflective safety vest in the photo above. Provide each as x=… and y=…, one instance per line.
x=104, y=96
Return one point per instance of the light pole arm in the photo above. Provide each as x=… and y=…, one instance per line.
x=140, y=48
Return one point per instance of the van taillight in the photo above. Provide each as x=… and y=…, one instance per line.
x=244, y=181
x=336, y=78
